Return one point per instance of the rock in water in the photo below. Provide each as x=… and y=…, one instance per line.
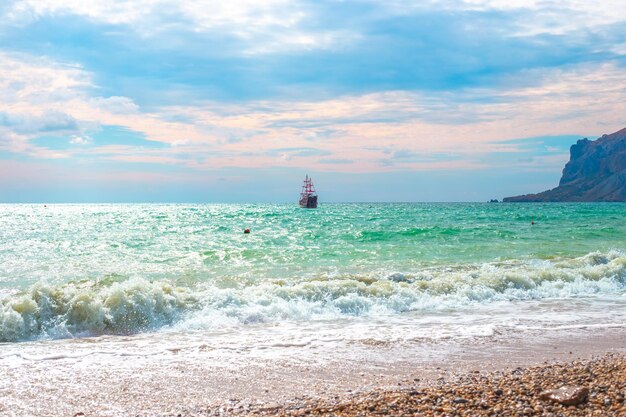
x=398, y=277
x=566, y=395
x=596, y=171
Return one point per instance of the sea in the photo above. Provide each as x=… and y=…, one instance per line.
x=87, y=279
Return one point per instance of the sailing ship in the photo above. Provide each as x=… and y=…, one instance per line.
x=308, y=196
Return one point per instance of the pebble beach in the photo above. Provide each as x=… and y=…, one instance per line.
x=519, y=392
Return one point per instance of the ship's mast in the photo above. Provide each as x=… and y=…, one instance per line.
x=308, y=188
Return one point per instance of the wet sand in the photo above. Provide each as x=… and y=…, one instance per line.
x=194, y=382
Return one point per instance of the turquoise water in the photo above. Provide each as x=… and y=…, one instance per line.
x=81, y=270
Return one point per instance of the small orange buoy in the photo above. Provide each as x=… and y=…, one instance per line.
x=246, y=231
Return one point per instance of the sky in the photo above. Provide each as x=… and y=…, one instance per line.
x=207, y=101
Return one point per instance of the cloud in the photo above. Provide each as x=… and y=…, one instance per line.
x=404, y=154
x=114, y=12
x=38, y=80
x=116, y=104
x=299, y=152
x=160, y=52
x=81, y=140
x=364, y=129
x=248, y=84
x=245, y=18
x=335, y=161
x=529, y=17
x=352, y=87
x=49, y=121
x=281, y=23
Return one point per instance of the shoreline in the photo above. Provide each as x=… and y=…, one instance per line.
x=522, y=391
x=197, y=382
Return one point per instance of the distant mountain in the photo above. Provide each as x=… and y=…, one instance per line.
x=596, y=171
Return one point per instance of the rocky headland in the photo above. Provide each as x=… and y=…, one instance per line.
x=596, y=171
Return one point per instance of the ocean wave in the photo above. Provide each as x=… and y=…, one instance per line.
x=133, y=305
x=87, y=308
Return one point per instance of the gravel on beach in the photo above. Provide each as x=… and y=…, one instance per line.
x=597, y=387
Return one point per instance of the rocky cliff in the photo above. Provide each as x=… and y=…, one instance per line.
x=596, y=171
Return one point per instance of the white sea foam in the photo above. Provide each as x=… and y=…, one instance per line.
x=135, y=305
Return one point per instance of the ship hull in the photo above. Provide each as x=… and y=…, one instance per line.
x=308, y=201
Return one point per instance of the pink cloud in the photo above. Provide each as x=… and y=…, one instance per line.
x=350, y=128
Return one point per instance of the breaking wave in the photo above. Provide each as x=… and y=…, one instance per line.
x=134, y=305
